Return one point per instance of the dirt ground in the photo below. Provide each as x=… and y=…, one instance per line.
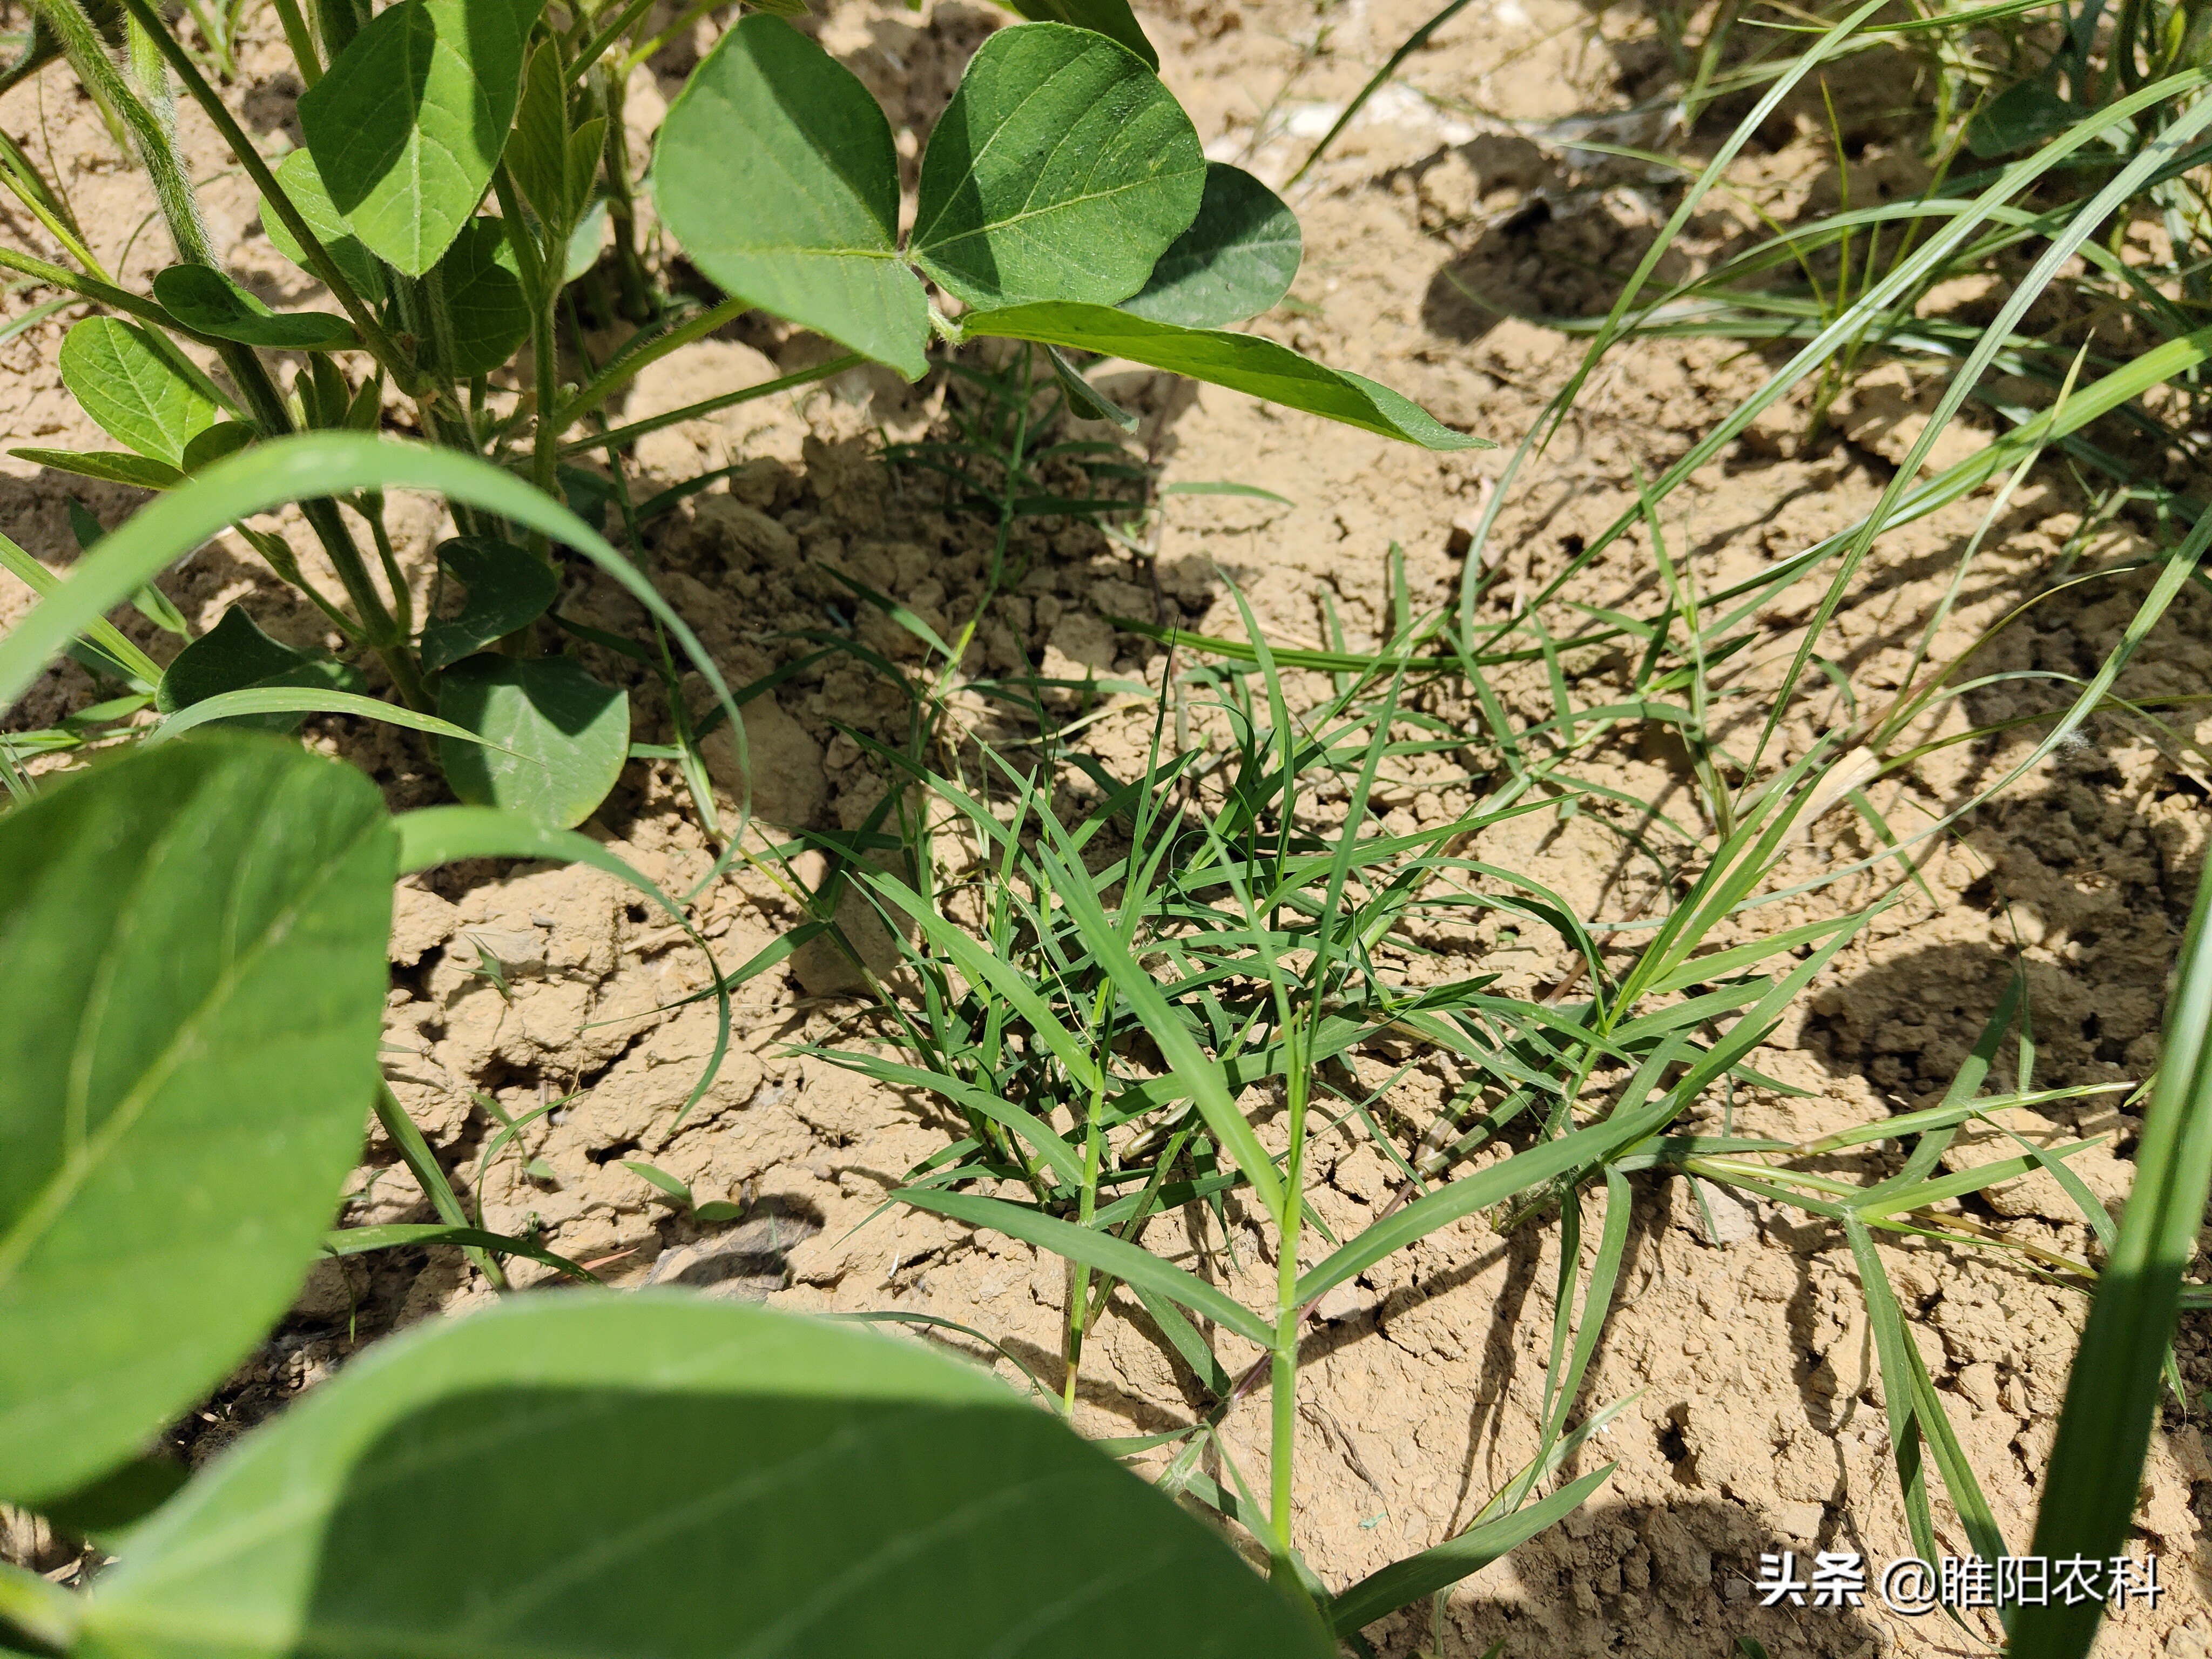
x=1758, y=1422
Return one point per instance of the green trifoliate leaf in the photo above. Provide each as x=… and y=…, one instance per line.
x=565, y=736
x=193, y=937
x=623, y=1450
x=235, y=655
x=134, y=394
x=1243, y=362
x=303, y=184
x=508, y=588
x=1236, y=259
x=202, y=298
x=485, y=301
x=777, y=173
x=1061, y=170
x=407, y=125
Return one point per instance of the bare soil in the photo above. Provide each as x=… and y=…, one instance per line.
x=1758, y=1424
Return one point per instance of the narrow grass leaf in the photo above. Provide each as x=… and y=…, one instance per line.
x=1131, y=1263
x=2113, y=1393
x=1443, y=1565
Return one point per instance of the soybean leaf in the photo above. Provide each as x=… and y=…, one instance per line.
x=289, y=469
x=223, y=438
x=2112, y=1391
x=235, y=654
x=484, y=298
x=1243, y=362
x=538, y=149
x=108, y=465
x=921, y=1509
x=201, y=297
x=1131, y=1263
x=585, y=144
x=1111, y=18
x=134, y=394
x=508, y=588
x=303, y=183
x=807, y=227
x=195, y=938
x=1237, y=260
x=1061, y=170
x=1444, y=1564
x=562, y=736
x=408, y=125
x=585, y=240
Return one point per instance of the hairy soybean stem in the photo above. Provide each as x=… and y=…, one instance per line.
x=380, y=343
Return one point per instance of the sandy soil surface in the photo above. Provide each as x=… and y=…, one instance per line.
x=1758, y=1424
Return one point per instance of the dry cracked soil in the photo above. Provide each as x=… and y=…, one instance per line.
x=1454, y=211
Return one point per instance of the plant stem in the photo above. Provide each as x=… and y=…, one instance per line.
x=172, y=189
x=300, y=40
x=636, y=303
x=115, y=299
x=379, y=343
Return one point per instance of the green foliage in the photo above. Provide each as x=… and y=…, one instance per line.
x=1059, y=179
x=562, y=737
x=407, y=124
x=919, y=1508
x=105, y=466
x=196, y=937
x=1238, y=257
x=1061, y=170
x=132, y=389
x=1111, y=18
x=235, y=655
x=203, y=299
x=487, y=309
x=1243, y=362
x=302, y=185
x=810, y=231
x=507, y=589
x=2112, y=1394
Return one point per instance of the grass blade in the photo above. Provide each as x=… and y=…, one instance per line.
x=2112, y=1396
